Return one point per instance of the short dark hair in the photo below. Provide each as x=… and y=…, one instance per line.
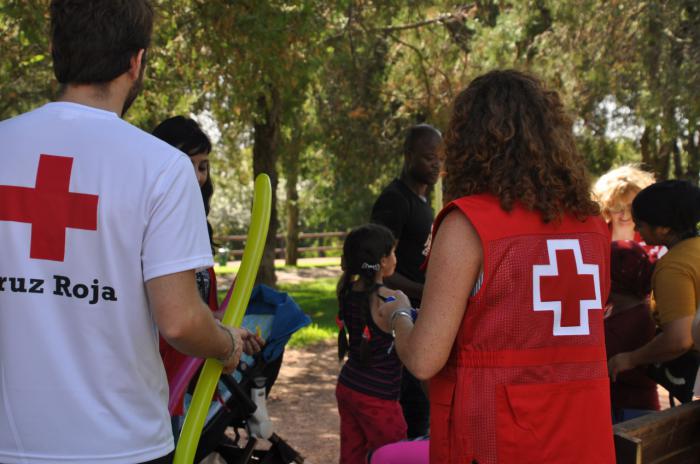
x=184, y=134
x=93, y=41
x=671, y=203
x=417, y=133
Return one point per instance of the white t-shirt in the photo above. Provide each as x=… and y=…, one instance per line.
x=90, y=209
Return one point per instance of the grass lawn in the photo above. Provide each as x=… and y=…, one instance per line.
x=315, y=298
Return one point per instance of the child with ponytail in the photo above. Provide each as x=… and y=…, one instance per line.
x=369, y=382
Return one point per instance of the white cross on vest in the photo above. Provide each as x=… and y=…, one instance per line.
x=567, y=287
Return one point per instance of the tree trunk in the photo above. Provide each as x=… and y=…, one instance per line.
x=265, y=147
x=692, y=148
x=656, y=155
x=677, y=164
x=645, y=147
x=292, y=175
x=662, y=163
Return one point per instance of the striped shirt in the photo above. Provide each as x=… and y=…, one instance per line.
x=380, y=376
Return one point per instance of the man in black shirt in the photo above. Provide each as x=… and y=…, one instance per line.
x=403, y=207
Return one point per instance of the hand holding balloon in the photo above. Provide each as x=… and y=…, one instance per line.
x=231, y=359
x=252, y=342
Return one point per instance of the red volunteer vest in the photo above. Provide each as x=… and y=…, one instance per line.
x=526, y=381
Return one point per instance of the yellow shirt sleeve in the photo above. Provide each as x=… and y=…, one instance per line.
x=674, y=292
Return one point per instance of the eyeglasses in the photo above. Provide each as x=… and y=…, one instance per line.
x=619, y=209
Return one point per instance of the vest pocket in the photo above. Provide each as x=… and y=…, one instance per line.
x=450, y=441
x=441, y=393
x=554, y=423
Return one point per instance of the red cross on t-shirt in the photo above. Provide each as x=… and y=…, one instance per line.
x=49, y=207
x=567, y=287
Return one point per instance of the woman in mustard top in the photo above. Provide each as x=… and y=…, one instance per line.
x=667, y=213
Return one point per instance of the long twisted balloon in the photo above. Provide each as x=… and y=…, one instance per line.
x=233, y=316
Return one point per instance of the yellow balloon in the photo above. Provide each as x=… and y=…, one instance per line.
x=233, y=316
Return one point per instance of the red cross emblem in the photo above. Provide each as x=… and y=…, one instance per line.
x=567, y=287
x=49, y=207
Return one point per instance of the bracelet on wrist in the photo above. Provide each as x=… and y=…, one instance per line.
x=225, y=359
x=404, y=312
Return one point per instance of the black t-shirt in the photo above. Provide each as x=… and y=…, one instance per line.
x=410, y=218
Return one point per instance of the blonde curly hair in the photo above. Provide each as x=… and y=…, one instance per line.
x=612, y=185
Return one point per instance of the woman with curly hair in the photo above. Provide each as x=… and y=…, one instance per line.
x=614, y=192
x=511, y=322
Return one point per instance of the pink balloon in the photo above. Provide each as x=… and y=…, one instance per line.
x=180, y=381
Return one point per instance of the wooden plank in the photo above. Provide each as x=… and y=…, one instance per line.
x=302, y=235
x=233, y=240
x=281, y=251
x=688, y=455
x=682, y=433
x=628, y=450
x=318, y=248
x=651, y=422
x=669, y=436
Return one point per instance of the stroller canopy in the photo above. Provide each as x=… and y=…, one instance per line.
x=276, y=316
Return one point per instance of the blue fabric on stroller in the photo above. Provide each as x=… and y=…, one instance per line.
x=275, y=316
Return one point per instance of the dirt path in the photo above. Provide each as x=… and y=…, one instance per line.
x=302, y=402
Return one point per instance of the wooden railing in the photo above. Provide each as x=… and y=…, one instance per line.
x=318, y=243
x=666, y=437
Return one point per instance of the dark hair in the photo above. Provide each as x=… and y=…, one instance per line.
x=510, y=137
x=186, y=135
x=630, y=268
x=417, y=133
x=93, y=41
x=363, y=249
x=671, y=203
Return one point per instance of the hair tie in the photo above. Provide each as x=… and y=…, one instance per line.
x=374, y=267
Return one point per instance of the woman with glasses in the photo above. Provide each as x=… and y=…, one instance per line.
x=614, y=192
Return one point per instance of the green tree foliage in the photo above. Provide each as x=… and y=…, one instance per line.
x=319, y=94
x=25, y=64
x=643, y=55
x=259, y=55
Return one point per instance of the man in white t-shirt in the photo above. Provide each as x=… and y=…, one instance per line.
x=102, y=230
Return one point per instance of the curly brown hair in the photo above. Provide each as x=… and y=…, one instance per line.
x=510, y=137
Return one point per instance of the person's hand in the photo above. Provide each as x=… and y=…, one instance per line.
x=231, y=362
x=619, y=363
x=252, y=343
x=387, y=309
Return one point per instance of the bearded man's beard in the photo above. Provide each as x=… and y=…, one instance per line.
x=135, y=88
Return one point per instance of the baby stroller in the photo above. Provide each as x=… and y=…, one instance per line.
x=240, y=401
